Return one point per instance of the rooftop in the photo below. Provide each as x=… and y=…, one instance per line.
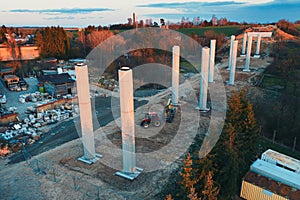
x=10, y=76
x=276, y=173
x=6, y=70
x=272, y=185
x=281, y=159
x=56, y=78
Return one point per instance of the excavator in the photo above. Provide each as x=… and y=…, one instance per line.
x=169, y=111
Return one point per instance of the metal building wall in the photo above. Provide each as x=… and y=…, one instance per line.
x=253, y=192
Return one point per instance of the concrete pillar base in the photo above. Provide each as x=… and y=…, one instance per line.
x=229, y=84
x=130, y=176
x=202, y=109
x=256, y=56
x=90, y=161
x=246, y=70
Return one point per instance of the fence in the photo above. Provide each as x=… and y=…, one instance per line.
x=77, y=183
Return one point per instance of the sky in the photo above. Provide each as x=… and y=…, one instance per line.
x=81, y=13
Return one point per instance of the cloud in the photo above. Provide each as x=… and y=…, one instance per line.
x=182, y=5
x=59, y=18
x=62, y=10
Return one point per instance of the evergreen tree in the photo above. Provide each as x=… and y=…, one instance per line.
x=187, y=176
x=237, y=145
x=210, y=191
x=193, y=194
x=169, y=197
x=53, y=42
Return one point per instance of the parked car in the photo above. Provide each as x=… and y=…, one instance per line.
x=2, y=98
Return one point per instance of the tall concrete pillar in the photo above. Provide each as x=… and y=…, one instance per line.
x=244, y=44
x=257, y=46
x=175, y=74
x=212, y=61
x=202, y=106
x=83, y=92
x=127, y=124
x=232, y=69
x=249, y=46
x=232, y=38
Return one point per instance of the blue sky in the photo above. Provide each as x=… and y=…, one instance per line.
x=82, y=13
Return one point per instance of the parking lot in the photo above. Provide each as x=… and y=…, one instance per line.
x=13, y=96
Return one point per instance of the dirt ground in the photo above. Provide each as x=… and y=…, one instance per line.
x=57, y=174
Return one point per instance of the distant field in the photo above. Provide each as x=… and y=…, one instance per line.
x=227, y=30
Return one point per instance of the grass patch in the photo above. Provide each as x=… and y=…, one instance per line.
x=227, y=30
x=271, y=81
x=297, y=27
x=188, y=67
x=266, y=144
x=277, y=83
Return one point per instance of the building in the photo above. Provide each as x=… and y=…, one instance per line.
x=27, y=52
x=56, y=84
x=7, y=71
x=274, y=177
x=12, y=82
x=281, y=160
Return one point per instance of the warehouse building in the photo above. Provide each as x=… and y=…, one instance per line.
x=274, y=177
x=56, y=84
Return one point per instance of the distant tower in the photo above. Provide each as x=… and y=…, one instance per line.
x=134, y=20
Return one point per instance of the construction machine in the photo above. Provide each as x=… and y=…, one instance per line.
x=169, y=111
x=152, y=118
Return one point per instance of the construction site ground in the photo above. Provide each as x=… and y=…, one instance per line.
x=57, y=174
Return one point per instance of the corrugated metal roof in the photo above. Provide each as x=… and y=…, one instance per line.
x=56, y=78
x=279, y=158
x=265, y=183
x=276, y=173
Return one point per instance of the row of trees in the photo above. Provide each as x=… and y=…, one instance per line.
x=219, y=174
x=288, y=27
x=89, y=39
x=53, y=42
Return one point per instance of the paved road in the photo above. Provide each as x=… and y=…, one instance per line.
x=66, y=131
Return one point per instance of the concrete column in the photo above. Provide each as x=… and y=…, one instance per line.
x=257, y=46
x=212, y=61
x=232, y=38
x=249, y=46
x=202, y=106
x=127, y=124
x=175, y=74
x=83, y=92
x=127, y=119
x=232, y=69
x=244, y=44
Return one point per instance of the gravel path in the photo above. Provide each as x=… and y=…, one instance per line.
x=20, y=182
